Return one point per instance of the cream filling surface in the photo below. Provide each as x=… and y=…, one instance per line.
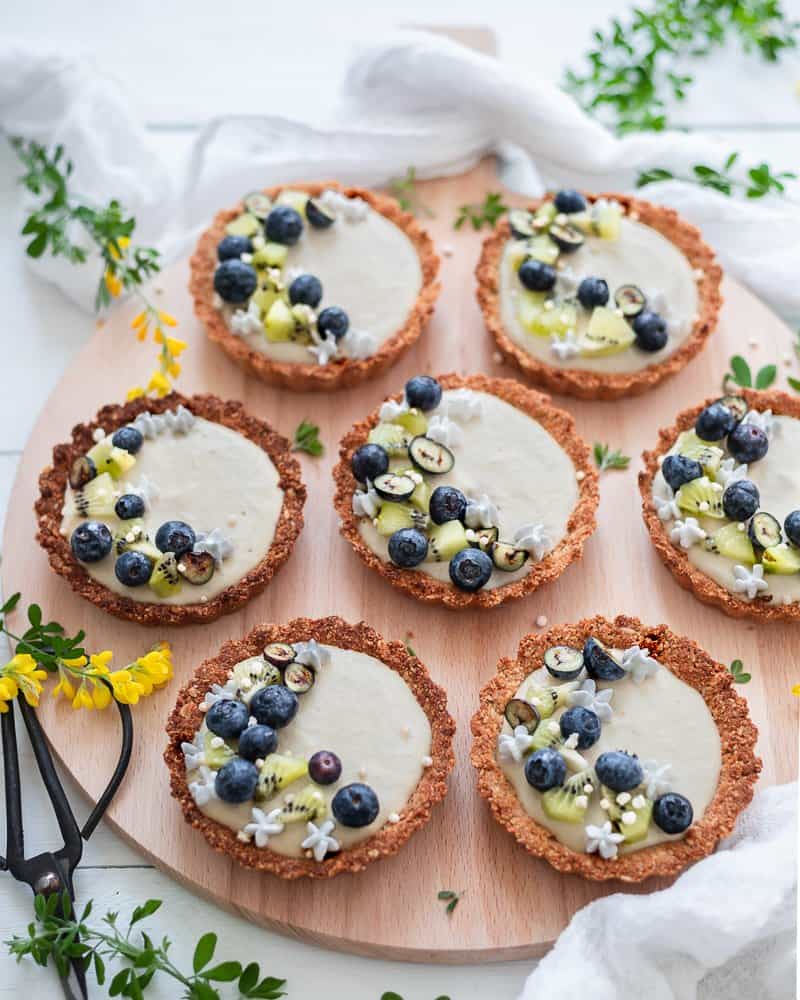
x=382, y=744
x=369, y=268
x=210, y=477
x=660, y=719
x=514, y=460
x=777, y=477
x=641, y=256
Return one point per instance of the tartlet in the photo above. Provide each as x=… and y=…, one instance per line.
x=288, y=342
x=512, y=530
x=101, y=493
x=727, y=528
x=422, y=755
x=677, y=665
x=590, y=340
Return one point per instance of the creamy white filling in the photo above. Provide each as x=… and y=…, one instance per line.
x=211, y=478
x=368, y=716
x=661, y=719
x=777, y=477
x=511, y=458
x=641, y=256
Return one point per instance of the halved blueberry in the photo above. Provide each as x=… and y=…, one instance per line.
x=563, y=662
x=600, y=664
x=319, y=217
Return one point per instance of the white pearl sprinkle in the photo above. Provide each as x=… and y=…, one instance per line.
x=243, y=837
x=639, y=802
x=497, y=357
x=633, y=216
x=252, y=721
x=203, y=599
x=605, y=804
x=259, y=762
x=588, y=788
x=623, y=798
x=541, y=621
x=580, y=475
x=216, y=742
x=581, y=801
x=203, y=707
x=628, y=818
x=362, y=773
x=427, y=761
x=447, y=250
x=98, y=434
x=394, y=817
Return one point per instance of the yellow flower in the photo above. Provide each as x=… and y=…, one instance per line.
x=113, y=284
x=174, y=369
x=123, y=243
x=139, y=319
x=125, y=687
x=82, y=698
x=8, y=691
x=167, y=319
x=141, y=333
x=796, y=690
x=159, y=384
x=64, y=686
x=101, y=695
x=134, y=393
x=26, y=676
x=100, y=661
x=175, y=346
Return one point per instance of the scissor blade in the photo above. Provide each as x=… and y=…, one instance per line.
x=74, y=983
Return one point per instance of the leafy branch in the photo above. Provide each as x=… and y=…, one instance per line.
x=486, y=213
x=306, y=438
x=741, y=375
x=604, y=458
x=451, y=898
x=405, y=191
x=760, y=180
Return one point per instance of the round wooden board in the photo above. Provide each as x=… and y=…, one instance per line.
x=513, y=906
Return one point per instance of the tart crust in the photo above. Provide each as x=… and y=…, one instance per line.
x=337, y=374
x=676, y=559
x=186, y=718
x=587, y=384
x=738, y=774
x=580, y=526
x=53, y=484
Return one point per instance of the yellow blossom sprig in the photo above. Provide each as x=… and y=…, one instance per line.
x=170, y=349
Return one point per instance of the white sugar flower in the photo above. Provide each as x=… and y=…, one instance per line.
x=729, y=472
x=202, y=788
x=319, y=839
x=514, y=746
x=749, y=582
x=601, y=840
x=390, y=410
x=193, y=753
x=463, y=405
x=146, y=489
x=216, y=543
x=657, y=301
x=481, y=513
x=220, y=692
x=762, y=420
x=534, y=539
x=149, y=425
x=264, y=826
x=665, y=503
x=366, y=503
x=443, y=430
x=587, y=696
x=639, y=664
x=657, y=778
x=324, y=350
x=246, y=322
x=312, y=654
x=687, y=533
x=359, y=344
x=566, y=347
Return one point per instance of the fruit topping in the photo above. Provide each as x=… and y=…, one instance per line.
x=708, y=455
x=252, y=674
x=606, y=333
x=235, y=281
x=165, y=580
x=107, y=458
x=232, y=247
x=764, y=531
x=543, y=248
x=792, y=527
x=619, y=771
x=737, y=405
x=483, y=538
x=544, y=215
x=430, y=456
x=391, y=486
x=284, y=224
x=333, y=322
x=507, y=557
x=413, y=420
x=530, y=306
x=369, y=461
x=569, y=802
x=741, y=500
x=257, y=204
x=91, y=541
x=129, y=506
x=569, y=200
x=547, y=699
x=715, y=422
x=733, y=543
x=271, y=255
x=782, y=559
x=633, y=819
x=583, y=722
x=355, y=805
x=245, y=224
x=701, y=496
x=305, y=807
x=279, y=654
x=567, y=237
x=537, y=276
x=592, y=292
x=277, y=772
x=519, y=712
x=606, y=219
x=522, y=223
x=81, y=472
x=600, y=664
x=545, y=769
x=216, y=751
x=133, y=569
x=175, y=536
x=299, y=678
x=133, y=538
x=423, y=392
x=748, y=443
x=447, y=504
x=318, y=216
x=236, y=781
x=306, y=289
x=279, y=323
x=392, y=437
x=678, y=469
x=630, y=299
x=228, y=718
x=257, y=742
x=470, y=569
x=672, y=813
x=274, y=706
x=324, y=767
x=650, y=330
x=563, y=662
x=408, y=547
x=196, y=568
x=447, y=540
x=394, y=517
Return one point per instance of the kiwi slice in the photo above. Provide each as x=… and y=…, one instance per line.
x=271, y=255
x=196, y=568
x=309, y=804
x=733, y=543
x=607, y=219
x=216, y=756
x=445, y=540
x=547, y=699
x=630, y=299
x=81, y=472
x=414, y=421
x=530, y=306
x=421, y=497
x=279, y=323
x=783, y=559
x=519, y=712
x=257, y=204
x=563, y=662
x=277, y=772
x=279, y=654
x=555, y=321
x=299, y=677
x=133, y=538
x=254, y=672
x=764, y=531
x=707, y=454
x=483, y=538
x=245, y=224
x=508, y=558
x=637, y=830
x=701, y=496
x=394, y=486
x=543, y=248
x=430, y=456
x=522, y=224
x=737, y=405
x=607, y=333
x=165, y=580
x=569, y=802
x=97, y=498
x=106, y=457
x=294, y=199
x=391, y=437
x=544, y=215
x=394, y=517
x=566, y=236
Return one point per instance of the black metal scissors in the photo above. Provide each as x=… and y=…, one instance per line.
x=51, y=871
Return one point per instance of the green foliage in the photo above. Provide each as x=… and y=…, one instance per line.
x=306, y=438
x=405, y=191
x=740, y=374
x=487, y=213
x=46, y=642
x=451, y=898
x=737, y=671
x=604, y=458
x=757, y=182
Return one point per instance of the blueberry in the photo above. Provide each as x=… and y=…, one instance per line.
x=582, y=721
x=678, y=469
x=91, y=541
x=536, y=276
x=256, y=742
x=235, y=281
x=545, y=769
x=673, y=813
x=423, y=392
x=284, y=225
x=355, y=805
x=274, y=706
x=129, y=505
x=129, y=438
x=569, y=201
x=592, y=292
x=369, y=462
x=228, y=718
x=747, y=443
x=175, y=536
x=230, y=247
x=324, y=767
x=447, y=504
x=318, y=217
x=306, y=289
x=792, y=527
x=236, y=781
x=741, y=500
x=407, y=547
x=618, y=770
x=470, y=569
x=650, y=330
x=333, y=322
x=133, y=569
x=599, y=663
x=714, y=422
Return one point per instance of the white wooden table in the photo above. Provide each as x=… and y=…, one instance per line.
x=182, y=63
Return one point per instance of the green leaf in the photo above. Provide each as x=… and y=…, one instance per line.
x=306, y=438
x=204, y=951
x=446, y=894
x=145, y=910
x=390, y=995
x=119, y=982
x=248, y=978
x=741, y=371
x=99, y=969
x=10, y=604
x=202, y=991
x=37, y=245
x=794, y=383
x=766, y=376
x=606, y=459
x=225, y=972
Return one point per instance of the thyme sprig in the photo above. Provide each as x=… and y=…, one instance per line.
x=306, y=438
x=757, y=181
x=605, y=458
x=486, y=213
x=451, y=898
x=405, y=191
x=739, y=674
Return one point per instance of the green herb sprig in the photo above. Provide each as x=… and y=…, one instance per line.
x=737, y=671
x=405, y=191
x=740, y=374
x=486, y=213
x=407, y=643
x=451, y=898
x=306, y=438
x=757, y=182
x=46, y=642
x=605, y=459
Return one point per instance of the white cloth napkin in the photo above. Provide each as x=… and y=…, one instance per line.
x=414, y=99
x=726, y=928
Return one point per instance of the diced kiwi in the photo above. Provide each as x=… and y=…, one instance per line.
x=245, y=224
x=544, y=215
x=258, y=204
x=507, y=557
x=548, y=698
x=97, y=498
x=555, y=321
x=702, y=497
x=517, y=252
x=606, y=219
x=108, y=458
x=133, y=538
x=413, y=420
x=530, y=306
x=568, y=802
x=279, y=324
x=392, y=437
x=277, y=772
x=394, y=517
x=294, y=199
x=783, y=559
x=632, y=832
x=519, y=712
x=732, y=542
x=445, y=540
x=707, y=454
x=308, y=805
x=165, y=580
x=483, y=538
x=270, y=255
x=544, y=249
x=607, y=333
x=216, y=756
x=254, y=672
x=421, y=497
